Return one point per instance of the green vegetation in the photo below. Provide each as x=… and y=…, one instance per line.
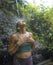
x=40, y=22
x=39, y=19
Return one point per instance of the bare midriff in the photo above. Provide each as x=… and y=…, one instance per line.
x=23, y=55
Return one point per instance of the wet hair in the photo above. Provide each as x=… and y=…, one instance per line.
x=17, y=25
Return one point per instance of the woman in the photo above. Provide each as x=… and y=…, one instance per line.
x=21, y=45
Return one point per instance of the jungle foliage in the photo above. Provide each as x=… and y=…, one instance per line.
x=39, y=20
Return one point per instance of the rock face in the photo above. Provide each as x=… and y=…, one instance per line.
x=7, y=25
x=7, y=28
x=37, y=56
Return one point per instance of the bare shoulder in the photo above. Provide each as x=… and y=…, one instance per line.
x=30, y=33
x=14, y=36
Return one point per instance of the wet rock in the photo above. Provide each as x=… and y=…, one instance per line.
x=7, y=25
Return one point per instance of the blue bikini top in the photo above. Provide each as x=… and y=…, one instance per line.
x=25, y=47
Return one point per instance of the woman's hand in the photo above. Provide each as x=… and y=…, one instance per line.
x=30, y=40
x=21, y=41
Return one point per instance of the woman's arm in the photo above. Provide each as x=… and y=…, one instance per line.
x=12, y=44
x=32, y=41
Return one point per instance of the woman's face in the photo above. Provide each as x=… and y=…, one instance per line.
x=22, y=24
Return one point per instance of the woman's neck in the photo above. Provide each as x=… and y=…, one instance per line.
x=23, y=30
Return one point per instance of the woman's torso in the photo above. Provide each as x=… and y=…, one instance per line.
x=24, y=51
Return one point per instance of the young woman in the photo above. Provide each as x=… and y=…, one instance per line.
x=21, y=45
